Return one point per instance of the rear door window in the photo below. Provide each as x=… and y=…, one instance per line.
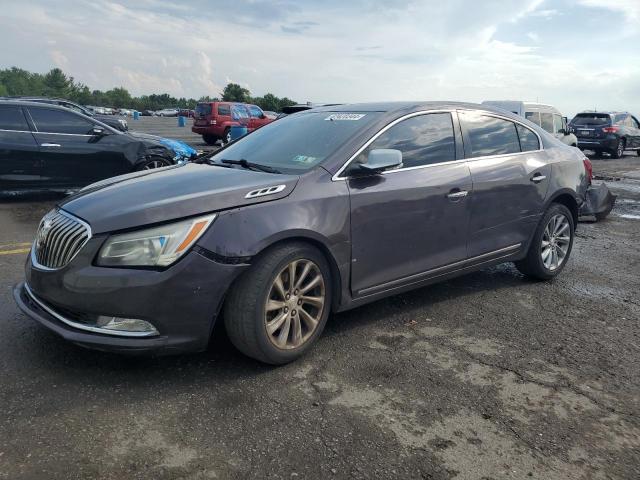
x=528, y=139
x=58, y=121
x=224, y=110
x=12, y=118
x=546, y=122
x=423, y=140
x=490, y=135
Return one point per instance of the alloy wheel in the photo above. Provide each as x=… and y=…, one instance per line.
x=555, y=242
x=295, y=304
x=154, y=164
x=620, y=150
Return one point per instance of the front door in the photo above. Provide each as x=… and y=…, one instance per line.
x=409, y=221
x=510, y=176
x=72, y=154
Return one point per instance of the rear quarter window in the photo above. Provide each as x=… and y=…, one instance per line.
x=12, y=118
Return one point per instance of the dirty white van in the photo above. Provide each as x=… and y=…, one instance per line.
x=546, y=116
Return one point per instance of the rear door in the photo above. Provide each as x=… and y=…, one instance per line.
x=510, y=178
x=72, y=155
x=20, y=162
x=410, y=221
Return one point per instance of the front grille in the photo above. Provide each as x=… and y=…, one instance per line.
x=59, y=238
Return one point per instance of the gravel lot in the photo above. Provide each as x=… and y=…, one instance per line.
x=488, y=376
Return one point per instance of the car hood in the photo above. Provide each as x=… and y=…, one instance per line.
x=179, y=148
x=148, y=197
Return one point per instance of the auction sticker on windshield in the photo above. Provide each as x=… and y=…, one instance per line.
x=345, y=116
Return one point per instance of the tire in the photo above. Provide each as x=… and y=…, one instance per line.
x=226, y=136
x=533, y=264
x=210, y=139
x=247, y=318
x=619, y=150
x=151, y=163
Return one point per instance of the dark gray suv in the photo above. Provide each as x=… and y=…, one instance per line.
x=319, y=212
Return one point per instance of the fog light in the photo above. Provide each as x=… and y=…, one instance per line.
x=125, y=325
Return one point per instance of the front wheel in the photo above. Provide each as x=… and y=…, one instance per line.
x=551, y=244
x=278, y=308
x=153, y=162
x=226, y=137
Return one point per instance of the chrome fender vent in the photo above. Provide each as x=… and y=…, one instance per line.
x=261, y=192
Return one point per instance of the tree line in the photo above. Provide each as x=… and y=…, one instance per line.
x=55, y=83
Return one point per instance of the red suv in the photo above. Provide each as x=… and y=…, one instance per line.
x=213, y=120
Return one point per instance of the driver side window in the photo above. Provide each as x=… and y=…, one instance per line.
x=423, y=140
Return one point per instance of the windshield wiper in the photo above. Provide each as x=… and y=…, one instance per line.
x=250, y=165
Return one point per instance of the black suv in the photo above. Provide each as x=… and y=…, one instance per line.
x=609, y=132
x=113, y=122
x=48, y=147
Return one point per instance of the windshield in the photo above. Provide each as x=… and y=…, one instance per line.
x=299, y=142
x=591, y=119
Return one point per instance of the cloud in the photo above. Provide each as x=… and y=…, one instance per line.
x=335, y=51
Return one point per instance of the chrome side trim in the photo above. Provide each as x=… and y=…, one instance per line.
x=80, y=326
x=15, y=131
x=443, y=270
x=261, y=192
x=337, y=176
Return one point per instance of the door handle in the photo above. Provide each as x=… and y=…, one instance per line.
x=537, y=178
x=457, y=195
x=50, y=145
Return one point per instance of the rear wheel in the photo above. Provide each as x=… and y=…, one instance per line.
x=209, y=139
x=278, y=309
x=226, y=137
x=618, y=152
x=551, y=244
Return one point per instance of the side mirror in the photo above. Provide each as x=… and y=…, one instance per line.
x=97, y=131
x=382, y=159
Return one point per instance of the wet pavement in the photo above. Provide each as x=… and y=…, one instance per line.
x=488, y=376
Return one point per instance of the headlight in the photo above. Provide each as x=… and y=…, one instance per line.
x=153, y=247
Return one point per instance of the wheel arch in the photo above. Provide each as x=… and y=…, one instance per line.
x=322, y=246
x=568, y=199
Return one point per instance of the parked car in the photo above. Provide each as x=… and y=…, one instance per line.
x=167, y=112
x=545, y=116
x=318, y=212
x=185, y=112
x=97, y=113
x=46, y=147
x=607, y=132
x=270, y=114
x=147, y=113
x=213, y=120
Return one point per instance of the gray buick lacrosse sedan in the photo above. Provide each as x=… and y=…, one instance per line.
x=318, y=212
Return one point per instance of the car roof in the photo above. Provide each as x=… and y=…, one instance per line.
x=408, y=107
x=603, y=112
x=31, y=103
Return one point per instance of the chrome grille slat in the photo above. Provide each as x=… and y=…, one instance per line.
x=59, y=238
x=56, y=236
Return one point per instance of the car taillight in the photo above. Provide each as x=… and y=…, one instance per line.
x=212, y=122
x=610, y=129
x=588, y=168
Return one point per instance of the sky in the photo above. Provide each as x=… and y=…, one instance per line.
x=573, y=54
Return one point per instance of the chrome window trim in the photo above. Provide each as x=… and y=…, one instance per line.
x=80, y=326
x=67, y=134
x=34, y=261
x=336, y=177
x=15, y=131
